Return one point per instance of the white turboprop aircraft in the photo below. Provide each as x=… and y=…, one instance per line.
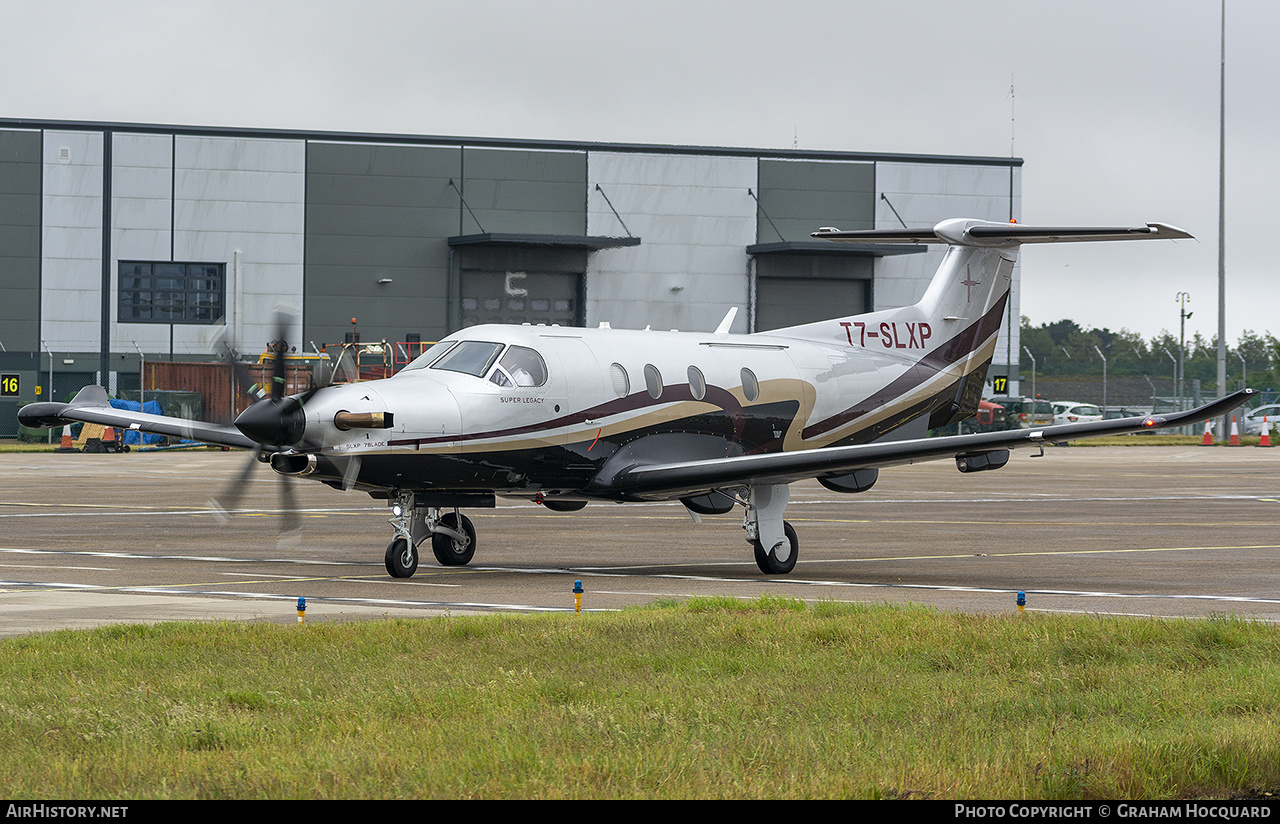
x=564, y=416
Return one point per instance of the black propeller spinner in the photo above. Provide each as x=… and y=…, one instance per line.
x=276, y=420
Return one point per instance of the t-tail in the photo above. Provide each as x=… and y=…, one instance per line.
x=948, y=338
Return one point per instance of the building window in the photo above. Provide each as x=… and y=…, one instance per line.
x=155, y=292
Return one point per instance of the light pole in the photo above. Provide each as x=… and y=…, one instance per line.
x=142, y=377
x=1033, y=372
x=1104, y=378
x=1183, y=314
x=49, y=394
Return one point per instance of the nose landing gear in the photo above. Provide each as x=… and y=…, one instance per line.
x=452, y=535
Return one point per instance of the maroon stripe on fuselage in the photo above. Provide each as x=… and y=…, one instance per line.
x=672, y=394
x=954, y=350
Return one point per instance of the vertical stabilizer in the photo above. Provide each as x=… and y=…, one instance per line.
x=932, y=357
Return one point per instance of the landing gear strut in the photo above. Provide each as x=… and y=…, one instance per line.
x=773, y=539
x=452, y=536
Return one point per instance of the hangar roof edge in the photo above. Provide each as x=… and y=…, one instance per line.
x=503, y=143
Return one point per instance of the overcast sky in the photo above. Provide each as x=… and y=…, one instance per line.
x=1114, y=110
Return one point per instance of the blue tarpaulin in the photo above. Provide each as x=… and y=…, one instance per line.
x=132, y=437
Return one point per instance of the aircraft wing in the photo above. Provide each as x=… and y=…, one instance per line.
x=672, y=479
x=91, y=405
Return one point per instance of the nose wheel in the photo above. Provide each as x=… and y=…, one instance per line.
x=401, y=558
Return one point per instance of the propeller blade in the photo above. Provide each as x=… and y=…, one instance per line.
x=290, y=525
x=350, y=472
x=273, y=420
x=226, y=503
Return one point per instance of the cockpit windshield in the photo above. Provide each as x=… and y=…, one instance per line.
x=425, y=359
x=470, y=357
x=520, y=366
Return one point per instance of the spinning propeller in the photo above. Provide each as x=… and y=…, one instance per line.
x=272, y=421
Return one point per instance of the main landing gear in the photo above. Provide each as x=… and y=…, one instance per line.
x=452, y=536
x=773, y=539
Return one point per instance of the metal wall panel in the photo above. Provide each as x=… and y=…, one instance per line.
x=695, y=219
x=142, y=210
x=378, y=212
x=529, y=192
x=240, y=201
x=71, y=255
x=800, y=196
x=20, y=174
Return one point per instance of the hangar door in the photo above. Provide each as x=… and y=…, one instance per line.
x=521, y=285
x=794, y=289
x=521, y=297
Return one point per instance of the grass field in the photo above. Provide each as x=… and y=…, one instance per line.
x=710, y=698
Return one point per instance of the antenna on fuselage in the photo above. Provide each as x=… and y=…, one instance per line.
x=723, y=328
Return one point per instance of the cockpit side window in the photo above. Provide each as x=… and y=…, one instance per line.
x=471, y=357
x=524, y=366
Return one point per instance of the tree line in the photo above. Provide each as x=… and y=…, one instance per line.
x=1065, y=348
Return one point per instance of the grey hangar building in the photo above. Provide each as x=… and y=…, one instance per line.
x=124, y=242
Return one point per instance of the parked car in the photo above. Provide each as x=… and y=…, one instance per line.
x=1024, y=413
x=1116, y=414
x=1075, y=412
x=1252, y=423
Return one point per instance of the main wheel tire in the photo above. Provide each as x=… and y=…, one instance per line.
x=401, y=558
x=768, y=561
x=449, y=551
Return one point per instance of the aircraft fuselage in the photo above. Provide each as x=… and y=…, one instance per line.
x=611, y=398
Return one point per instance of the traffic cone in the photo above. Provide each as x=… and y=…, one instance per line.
x=1235, y=433
x=1266, y=433
x=1208, y=435
x=66, y=445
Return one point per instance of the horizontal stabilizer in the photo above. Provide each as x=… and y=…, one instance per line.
x=91, y=405
x=962, y=232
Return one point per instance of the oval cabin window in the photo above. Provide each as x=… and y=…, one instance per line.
x=697, y=383
x=750, y=386
x=653, y=381
x=621, y=383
